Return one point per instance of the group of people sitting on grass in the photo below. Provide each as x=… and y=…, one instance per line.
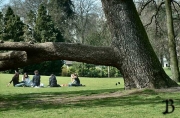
x=35, y=82
x=26, y=82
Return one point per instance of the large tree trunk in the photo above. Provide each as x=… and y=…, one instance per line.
x=172, y=43
x=130, y=51
x=137, y=61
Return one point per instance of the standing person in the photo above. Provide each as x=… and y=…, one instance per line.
x=53, y=81
x=36, y=78
x=15, y=78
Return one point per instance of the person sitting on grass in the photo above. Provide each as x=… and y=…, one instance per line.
x=15, y=79
x=75, y=81
x=53, y=81
x=26, y=81
x=36, y=79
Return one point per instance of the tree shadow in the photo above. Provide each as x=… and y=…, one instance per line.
x=60, y=100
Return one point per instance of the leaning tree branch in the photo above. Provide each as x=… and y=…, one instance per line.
x=37, y=53
x=143, y=6
x=176, y=9
x=176, y=3
x=150, y=21
x=175, y=35
x=154, y=16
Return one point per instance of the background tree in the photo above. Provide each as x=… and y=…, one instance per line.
x=13, y=27
x=45, y=31
x=45, y=68
x=85, y=24
x=84, y=10
x=44, y=27
x=29, y=29
x=172, y=43
x=159, y=6
x=52, y=34
x=1, y=24
x=156, y=29
x=62, y=14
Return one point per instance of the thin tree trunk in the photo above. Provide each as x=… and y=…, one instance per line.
x=162, y=60
x=138, y=63
x=172, y=43
x=108, y=72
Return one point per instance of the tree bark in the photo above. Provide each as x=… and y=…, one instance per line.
x=137, y=62
x=9, y=59
x=35, y=53
x=172, y=43
x=13, y=55
x=130, y=50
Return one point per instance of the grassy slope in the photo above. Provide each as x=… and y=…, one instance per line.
x=49, y=102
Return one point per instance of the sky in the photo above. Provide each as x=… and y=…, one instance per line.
x=5, y=1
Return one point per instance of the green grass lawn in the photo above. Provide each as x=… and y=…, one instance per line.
x=100, y=98
x=168, y=71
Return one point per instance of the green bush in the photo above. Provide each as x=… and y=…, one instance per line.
x=64, y=71
x=90, y=70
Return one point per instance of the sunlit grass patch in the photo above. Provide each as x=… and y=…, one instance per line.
x=100, y=98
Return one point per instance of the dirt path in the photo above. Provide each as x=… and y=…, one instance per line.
x=106, y=95
x=56, y=99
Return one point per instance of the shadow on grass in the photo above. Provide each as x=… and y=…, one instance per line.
x=41, y=100
x=27, y=96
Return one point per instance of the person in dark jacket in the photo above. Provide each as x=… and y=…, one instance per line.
x=53, y=81
x=36, y=78
x=15, y=78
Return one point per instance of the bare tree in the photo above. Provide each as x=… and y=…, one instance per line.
x=159, y=5
x=84, y=10
x=172, y=43
x=156, y=29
